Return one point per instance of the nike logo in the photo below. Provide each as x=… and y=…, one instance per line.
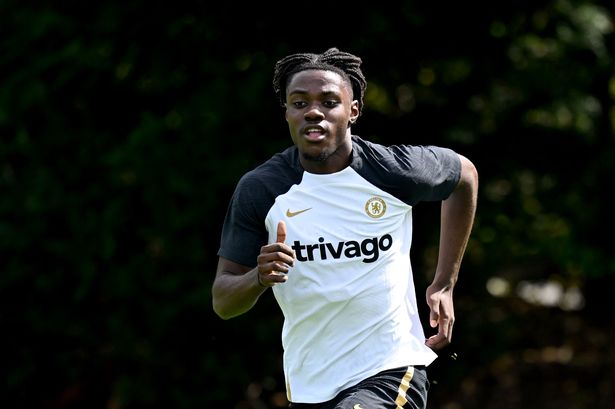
x=293, y=214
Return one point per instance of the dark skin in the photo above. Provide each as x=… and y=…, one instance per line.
x=320, y=110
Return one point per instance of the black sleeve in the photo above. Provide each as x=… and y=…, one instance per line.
x=411, y=173
x=243, y=231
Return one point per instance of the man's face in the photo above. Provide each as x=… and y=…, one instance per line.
x=319, y=111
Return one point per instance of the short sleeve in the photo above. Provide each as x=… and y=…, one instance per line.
x=243, y=231
x=410, y=173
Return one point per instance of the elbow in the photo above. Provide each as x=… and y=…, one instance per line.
x=223, y=309
x=220, y=309
x=222, y=314
x=229, y=297
x=217, y=302
x=469, y=173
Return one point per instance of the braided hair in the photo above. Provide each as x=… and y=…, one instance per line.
x=345, y=64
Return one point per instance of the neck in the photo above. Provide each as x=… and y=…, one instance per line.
x=323, y=164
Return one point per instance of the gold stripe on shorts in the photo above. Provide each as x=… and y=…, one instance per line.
x=403, y=387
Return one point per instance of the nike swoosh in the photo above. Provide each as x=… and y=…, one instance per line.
x=293, y=214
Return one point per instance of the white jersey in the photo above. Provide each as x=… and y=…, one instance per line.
x=349, y=304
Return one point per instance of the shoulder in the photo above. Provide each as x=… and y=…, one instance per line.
x=406, y=156
x=273, y=176
x=398, y=159
x=410, y=172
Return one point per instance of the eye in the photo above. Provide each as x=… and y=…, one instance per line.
x=330, y=103
x=299, y=104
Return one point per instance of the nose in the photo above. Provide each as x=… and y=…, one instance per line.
x=313, y=113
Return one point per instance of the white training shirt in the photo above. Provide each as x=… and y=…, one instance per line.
x=349, y=304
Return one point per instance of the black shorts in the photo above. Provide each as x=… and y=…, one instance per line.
x=404, y=387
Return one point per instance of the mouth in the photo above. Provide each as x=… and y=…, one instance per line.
x=314, y=133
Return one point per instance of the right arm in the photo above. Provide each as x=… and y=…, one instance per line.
x=236, y=287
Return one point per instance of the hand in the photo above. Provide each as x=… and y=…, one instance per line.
x=442, y=316
x=275, y=260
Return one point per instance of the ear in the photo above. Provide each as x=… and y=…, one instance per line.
x=286, y=112
x=354, y=112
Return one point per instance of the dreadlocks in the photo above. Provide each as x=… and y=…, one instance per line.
x=345, y=64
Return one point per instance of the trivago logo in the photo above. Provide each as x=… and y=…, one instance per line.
x=369, y=249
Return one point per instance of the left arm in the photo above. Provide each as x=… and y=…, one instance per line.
x=457, y=218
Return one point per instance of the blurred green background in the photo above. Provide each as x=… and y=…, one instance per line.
x=124, y=127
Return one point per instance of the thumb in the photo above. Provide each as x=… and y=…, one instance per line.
x=281, y=232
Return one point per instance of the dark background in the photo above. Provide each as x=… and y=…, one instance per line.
x=124, y=127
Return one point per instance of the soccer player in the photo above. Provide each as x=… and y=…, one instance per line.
x=327, y=225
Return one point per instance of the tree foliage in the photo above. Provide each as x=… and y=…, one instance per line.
x=125, y=126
